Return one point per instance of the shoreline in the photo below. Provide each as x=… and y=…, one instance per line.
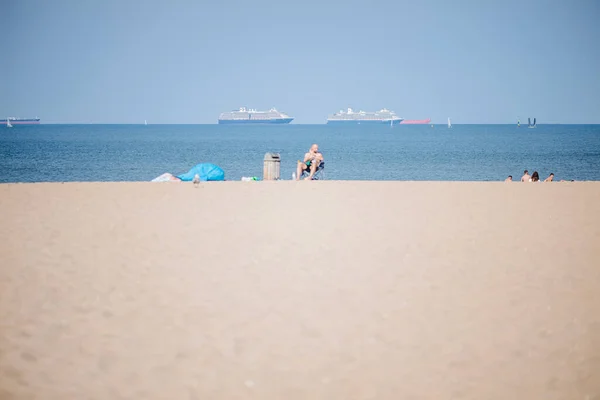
x=290, y=180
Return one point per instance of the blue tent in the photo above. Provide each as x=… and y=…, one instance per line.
x=206, y=172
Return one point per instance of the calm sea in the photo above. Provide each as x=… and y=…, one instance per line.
x=140, y=153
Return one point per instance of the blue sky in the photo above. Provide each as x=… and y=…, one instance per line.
x=124, y=61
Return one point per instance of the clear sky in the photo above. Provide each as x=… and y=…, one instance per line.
x=476, y=61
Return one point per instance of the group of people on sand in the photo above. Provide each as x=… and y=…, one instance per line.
x=535, y=177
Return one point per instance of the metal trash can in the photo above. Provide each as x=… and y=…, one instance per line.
x=271, y=167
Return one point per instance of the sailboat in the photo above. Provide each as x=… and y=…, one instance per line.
x=8, y=124
x=145, y=122
x=449, y=123
x=518, y=123
x=529, y=123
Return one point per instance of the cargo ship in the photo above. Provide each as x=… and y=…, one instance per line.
x=350, y=116
x=416, y=121
x=19, y=121
x=250, y=116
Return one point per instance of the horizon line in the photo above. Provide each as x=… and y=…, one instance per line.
x=294, y=124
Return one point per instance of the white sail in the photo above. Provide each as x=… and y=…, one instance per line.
x=529, y=123
x=8, y=124
x=449, y=123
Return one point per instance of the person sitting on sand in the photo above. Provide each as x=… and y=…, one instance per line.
x=550, y=178
x=509, y=179
x=526, y=177
x=311, y=162
x=535, y=177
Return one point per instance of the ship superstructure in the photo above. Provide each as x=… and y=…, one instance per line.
x=19, y=121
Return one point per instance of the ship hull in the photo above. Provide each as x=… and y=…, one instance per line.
x=33, y=121
x=277, y=121
x=416, y=121
x=363, y=122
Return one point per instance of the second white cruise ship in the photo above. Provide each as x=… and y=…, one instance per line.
x=383, y=116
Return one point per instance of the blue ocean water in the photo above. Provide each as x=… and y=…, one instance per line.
x=405, y=152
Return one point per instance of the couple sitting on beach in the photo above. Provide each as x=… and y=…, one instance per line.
x=535, y=177
x=312, y=161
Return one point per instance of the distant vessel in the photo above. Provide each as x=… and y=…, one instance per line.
x=19, y=121
x=251, y=116
x=8, y=125
x=449, y=123
x=382, y=116
x=416, y=121
x=145, y=122
x=529, y=123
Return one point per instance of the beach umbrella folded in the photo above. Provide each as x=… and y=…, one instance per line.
x=206, y=172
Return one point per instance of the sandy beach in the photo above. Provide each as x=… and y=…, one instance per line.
x=300, y=290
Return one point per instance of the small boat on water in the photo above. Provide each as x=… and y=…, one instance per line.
x=532, y=125
x=8, y=124
x=449, y=123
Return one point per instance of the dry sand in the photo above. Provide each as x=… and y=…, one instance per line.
x=300, y=290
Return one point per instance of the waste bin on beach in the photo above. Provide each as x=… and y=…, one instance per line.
x=271, y=167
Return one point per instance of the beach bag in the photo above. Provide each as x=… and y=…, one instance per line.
x=206, y=172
